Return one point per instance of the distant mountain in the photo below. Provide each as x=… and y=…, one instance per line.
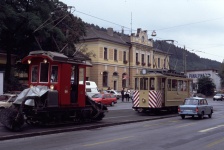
x=193, y=61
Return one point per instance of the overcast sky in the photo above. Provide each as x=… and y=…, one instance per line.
x=196, y=24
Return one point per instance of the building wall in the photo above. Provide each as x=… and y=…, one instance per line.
x=195, y=75
x=139, y=44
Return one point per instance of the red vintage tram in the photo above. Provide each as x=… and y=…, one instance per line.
x=53, y=97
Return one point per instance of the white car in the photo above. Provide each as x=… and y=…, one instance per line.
x=114, y=92
x=218, y=97
x=6, y=100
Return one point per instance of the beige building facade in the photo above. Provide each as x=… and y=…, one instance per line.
x=118, y=57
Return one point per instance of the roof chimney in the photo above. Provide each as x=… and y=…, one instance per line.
x=110, y=31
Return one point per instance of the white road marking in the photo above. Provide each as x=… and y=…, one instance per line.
x=209, y=129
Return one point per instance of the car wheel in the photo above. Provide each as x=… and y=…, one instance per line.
x=183, y=116
x=112, y=104
x=201, y=116
x=210, y=115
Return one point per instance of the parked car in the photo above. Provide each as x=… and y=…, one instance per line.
x=116, y=93
x=195, y=106
x=6, y=100
x=218, y=97
x=105, y=98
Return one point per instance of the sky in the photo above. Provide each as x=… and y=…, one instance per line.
x=197, y=25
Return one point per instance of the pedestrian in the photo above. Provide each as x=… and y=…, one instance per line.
x=108, y=88
x=127, y=95
x=122, y=95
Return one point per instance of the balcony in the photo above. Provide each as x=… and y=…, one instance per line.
x=125, y=62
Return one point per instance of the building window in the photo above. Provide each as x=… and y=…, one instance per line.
x=148, y=59
x=136, y=58
x=115, y=54
x=158, y=62
x=115, y=74
x=124, y=56
x=143, y=60
x=124, y=79
x=105, y=79
x=105, y=53
x=143, y=38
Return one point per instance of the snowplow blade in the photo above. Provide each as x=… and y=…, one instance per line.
x=11, y=119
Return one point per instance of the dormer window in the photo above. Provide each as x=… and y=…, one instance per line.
x=143, y=38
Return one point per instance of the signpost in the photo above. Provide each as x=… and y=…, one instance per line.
x=1, y=82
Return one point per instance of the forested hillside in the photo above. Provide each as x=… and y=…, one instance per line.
x=193, y=61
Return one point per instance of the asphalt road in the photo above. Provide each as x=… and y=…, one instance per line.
x=120, y=113
x=162, y=134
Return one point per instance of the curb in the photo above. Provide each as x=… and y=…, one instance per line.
x=32, y=134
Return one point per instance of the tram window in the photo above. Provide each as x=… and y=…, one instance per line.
x=152, y=87
x=185, y=86
x=159, y=84
x=174, y=85
x=143, y=83
x=81, y=75
x=180, y=85
x=136, y=83
x=34, y=74
x=54, y=74
x=44, y=67
x=169, y=85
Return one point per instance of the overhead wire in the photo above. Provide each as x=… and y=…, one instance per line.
x=190, y=49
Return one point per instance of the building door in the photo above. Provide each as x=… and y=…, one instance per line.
x=115, y=85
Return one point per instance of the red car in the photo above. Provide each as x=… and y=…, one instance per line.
x=105, y=98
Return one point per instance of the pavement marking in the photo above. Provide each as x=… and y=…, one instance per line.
x=215, y=142
x=185, y=125
x=171, y=121
x=117, y=117
x=209, y=129
x=108, y=141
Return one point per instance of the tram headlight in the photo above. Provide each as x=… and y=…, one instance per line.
x=143, y=100
x=52, y=87
x=31, y=86
x=29, y=61
x=45, y=61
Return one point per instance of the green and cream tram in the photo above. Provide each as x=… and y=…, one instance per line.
x=159, y=89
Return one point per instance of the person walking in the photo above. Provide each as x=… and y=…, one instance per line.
x=127, y=95
x=122, y=95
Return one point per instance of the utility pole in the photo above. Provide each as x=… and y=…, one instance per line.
x=184, y=61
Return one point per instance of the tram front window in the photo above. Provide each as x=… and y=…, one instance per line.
x=143, y=83
x=44, y=72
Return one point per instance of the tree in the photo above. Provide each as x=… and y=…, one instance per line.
x=221, y=74
x=206, y=86
x=37, y=25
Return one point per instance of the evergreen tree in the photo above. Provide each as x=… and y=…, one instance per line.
x=27, y=25
x=206, y=86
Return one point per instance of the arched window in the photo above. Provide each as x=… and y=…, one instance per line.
x=115, y=74
x=124, y=80
x=143, y=38
x=105, y=79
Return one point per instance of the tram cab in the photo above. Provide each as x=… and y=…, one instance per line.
x=54, y=71
x=157, y=89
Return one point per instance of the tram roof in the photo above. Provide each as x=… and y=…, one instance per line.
x=161, y=72
x=59, y=57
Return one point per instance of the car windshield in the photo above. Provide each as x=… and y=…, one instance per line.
x=97, y=96
x=218, y=95
x=191, y=102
